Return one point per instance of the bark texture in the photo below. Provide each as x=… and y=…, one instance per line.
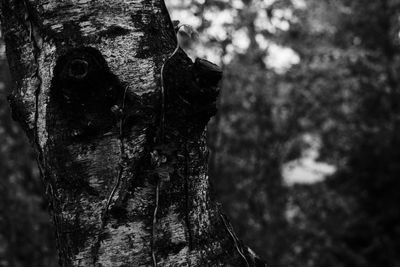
x=118, y=125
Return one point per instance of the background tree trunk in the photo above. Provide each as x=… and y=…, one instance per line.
x=117, y=124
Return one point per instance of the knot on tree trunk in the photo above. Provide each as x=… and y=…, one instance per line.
x=191, y=92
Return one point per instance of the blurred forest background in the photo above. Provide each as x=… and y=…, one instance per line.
x=306, y=144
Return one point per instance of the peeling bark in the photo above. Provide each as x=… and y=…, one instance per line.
x=117, y=118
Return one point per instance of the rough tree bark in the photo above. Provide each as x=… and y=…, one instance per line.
x=117, y=118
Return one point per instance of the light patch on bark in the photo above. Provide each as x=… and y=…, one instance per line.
x=46, y=60
x=173, y=226
x=200, y=214
x=124, y=244
x=135, y=146
x=142, y=201
x=99, y=175
x=29, y=98
x=178, y=259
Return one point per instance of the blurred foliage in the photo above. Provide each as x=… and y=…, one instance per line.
x=345, y=91
x=340, y=85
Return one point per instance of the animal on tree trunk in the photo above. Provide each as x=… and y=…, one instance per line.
x=116, y=113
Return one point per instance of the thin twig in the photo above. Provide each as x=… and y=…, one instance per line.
x=109, y=199
x=153, y=254
x=234, y=238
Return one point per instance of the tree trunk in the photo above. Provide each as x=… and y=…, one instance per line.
x=117, y=115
